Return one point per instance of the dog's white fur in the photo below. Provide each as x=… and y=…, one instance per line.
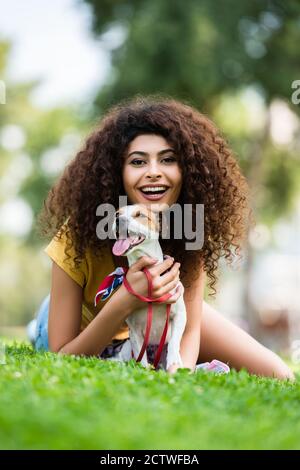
x=137, y=320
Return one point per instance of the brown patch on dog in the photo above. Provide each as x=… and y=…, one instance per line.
x=146, y=217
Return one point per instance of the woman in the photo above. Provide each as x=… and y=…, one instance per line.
x=147, y=140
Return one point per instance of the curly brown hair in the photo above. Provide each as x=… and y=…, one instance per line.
x=210, y=176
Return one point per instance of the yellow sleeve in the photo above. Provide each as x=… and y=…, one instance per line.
x=56, y=251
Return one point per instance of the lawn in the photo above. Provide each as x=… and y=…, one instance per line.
x=50, y=401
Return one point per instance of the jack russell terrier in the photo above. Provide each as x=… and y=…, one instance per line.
x=139, y=228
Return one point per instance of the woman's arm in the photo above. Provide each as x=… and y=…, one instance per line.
x=66, y=304
x=65, y=317
x=64, y=309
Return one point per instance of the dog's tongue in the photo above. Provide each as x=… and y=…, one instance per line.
x=120, y=246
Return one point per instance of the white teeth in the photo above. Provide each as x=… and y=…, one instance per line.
x=151, y=189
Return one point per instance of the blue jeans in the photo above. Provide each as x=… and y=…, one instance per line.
x=41, y=343
x=41, y=332
x=40, y=339
x=41, y=336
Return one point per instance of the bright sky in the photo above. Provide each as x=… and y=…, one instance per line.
x=52, y=42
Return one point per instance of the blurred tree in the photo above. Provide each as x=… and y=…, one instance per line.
x=203, y=51
x=43, y=136
x=35, y=145
x=199, y=49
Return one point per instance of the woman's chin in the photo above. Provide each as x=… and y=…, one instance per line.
x=148, y=202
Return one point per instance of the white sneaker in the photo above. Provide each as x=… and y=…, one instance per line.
x=214, y=366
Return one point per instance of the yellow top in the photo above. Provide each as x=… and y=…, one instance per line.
x=89, y=275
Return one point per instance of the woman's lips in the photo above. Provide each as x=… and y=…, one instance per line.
x=153, y=197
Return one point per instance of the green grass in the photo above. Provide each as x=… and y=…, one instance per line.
x=50, y=401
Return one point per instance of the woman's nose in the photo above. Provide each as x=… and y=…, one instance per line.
x=153, y=170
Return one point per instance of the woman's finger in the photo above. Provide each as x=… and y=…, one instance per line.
x=170, y=275
x=167, y=287
x=160, y=268
x=176, y=295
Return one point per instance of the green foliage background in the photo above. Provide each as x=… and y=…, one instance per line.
x=218, y=56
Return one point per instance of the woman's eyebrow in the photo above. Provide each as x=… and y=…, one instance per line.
x=145, y=154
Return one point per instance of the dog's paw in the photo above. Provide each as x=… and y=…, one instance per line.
x=145, y=364
x=173, y=368
x=174, y=360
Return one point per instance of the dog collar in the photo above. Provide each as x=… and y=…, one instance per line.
x=110, y=283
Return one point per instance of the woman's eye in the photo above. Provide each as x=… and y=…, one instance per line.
x=172, y=159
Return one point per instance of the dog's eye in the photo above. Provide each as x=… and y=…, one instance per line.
x=140, y=214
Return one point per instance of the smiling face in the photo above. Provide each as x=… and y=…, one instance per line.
x=149, y=161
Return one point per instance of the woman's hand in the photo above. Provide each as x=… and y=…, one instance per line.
x=161, y=283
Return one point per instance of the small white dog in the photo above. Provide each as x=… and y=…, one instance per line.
x=136, y=229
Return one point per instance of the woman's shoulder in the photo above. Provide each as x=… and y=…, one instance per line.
x=62, y=244
x=62, y=251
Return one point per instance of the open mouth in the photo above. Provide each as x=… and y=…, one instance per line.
x=153, y=195
x=122, y=245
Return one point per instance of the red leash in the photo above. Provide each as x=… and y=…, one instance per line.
x=148, y=299
x=112, y=281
